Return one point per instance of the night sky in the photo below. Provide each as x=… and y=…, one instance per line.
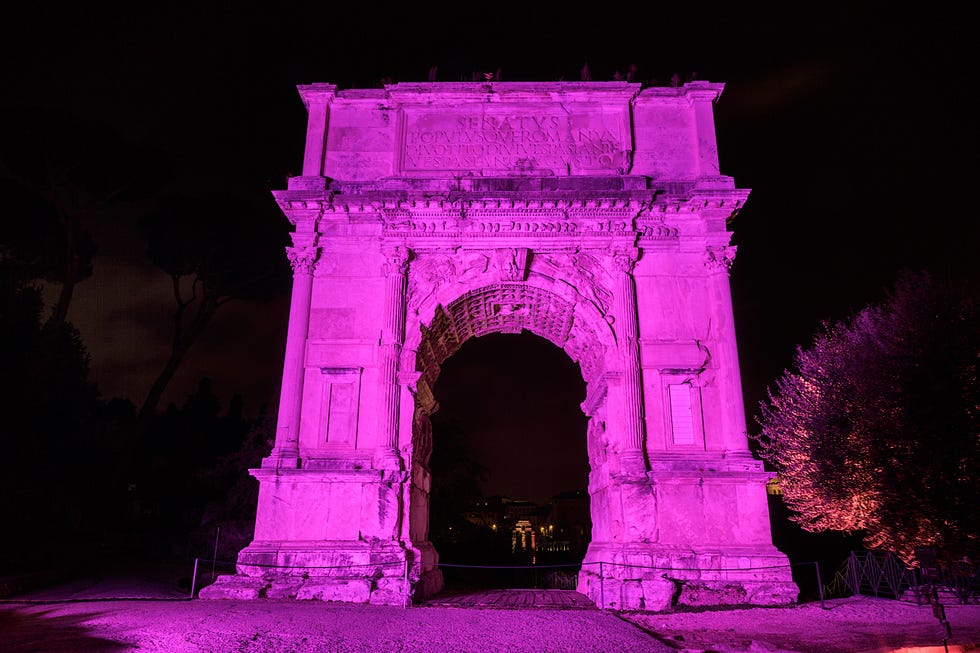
x=854, y=127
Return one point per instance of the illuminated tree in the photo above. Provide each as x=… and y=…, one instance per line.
x=875, y=430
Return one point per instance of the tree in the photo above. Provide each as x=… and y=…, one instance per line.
x=225, y=483
x=875, y=430
x=216, y=248
x=457, y=480
x=48, y=407
x=60, y=174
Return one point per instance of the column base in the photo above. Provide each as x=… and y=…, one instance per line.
x=388, y=459
x=282, y=459
x=653, y=579
x=632, y=463
x=347, y=572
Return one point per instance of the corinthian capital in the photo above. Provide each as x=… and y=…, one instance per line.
x=719, y=259
x=302, y=258
x=624, y=260
x=396, y=259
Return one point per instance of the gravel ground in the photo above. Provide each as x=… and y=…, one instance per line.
x=850, y=625
x=155, y=617
x=305, y=627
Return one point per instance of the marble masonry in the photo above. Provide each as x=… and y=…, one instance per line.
x=592, y=214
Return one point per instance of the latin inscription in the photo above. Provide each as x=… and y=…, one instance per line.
x=508, y=142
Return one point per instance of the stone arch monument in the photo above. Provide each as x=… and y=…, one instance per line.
x=592, y=214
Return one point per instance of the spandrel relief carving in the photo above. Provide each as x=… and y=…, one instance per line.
x=583, y=273
x=512, y=263
x=587, y=271
x=583, y=348
x=428, y=273
x=472, y=265
x=431, y=272
x=422, y=437
x=598, y=443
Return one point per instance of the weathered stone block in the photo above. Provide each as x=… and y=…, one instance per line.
x=286, y=588
x=776, y=593
x=234, y=587
x=391, y=591
x=700, y=594
x=344, y=590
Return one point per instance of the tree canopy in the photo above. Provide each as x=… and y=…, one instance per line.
x=875, y=431
x=216, y=247
x=58, y=175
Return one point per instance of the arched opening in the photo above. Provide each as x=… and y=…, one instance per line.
x=570, y=331
x=509, y=465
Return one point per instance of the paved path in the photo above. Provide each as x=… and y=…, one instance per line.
x=515, y=598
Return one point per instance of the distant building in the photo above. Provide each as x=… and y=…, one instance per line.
x=570, y=519
x=773, y=488
x=563, y=526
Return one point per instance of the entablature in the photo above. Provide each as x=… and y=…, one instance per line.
x=512, y=205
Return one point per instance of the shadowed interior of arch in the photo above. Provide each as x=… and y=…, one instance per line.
x=509, y=464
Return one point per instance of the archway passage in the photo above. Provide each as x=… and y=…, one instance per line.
x=509, y=465
x=593, y=215
x=483, y=317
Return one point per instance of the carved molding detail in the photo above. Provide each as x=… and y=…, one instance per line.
x=719, y=259
x=512, y=262
x=302, y=259
x=432, y=271
x=624, y=260
x=396, y=259
x=581, y=272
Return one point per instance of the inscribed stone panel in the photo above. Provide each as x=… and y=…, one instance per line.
x=549, y=139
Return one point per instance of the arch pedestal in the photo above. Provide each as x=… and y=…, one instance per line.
x=591, y=214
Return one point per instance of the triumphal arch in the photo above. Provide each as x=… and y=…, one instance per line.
x=592, y=214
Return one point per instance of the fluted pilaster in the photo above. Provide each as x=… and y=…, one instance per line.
x=629, y=353
x=285, y=454
x=718, y=261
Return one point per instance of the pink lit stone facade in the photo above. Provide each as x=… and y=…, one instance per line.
x=591, y=214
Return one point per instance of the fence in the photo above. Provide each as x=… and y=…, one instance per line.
x=555, y=577
x=884, y=575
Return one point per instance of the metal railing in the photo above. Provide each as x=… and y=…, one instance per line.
x=884, y=575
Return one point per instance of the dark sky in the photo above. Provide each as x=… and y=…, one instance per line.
x=853, y=125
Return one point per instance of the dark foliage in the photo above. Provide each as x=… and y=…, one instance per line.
x=190, y=476
x=457, y=480
x=51, y=483
x=57, y=175
x=216, y=248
